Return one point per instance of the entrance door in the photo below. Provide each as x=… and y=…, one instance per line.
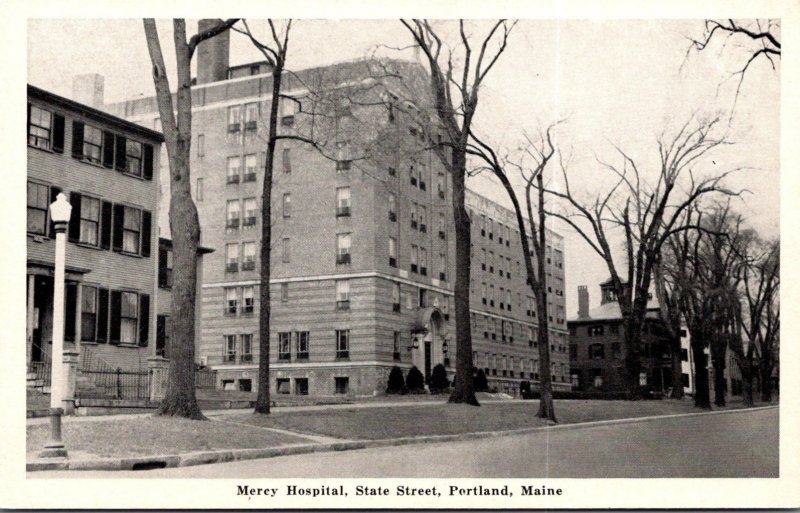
x=42, y=315
x=427, y=360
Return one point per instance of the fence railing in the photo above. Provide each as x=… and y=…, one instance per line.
x=205, y=378
x=109, y=382
x=41, y=373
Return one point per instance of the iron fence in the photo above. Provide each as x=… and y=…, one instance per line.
x=103, y=381
x=41, y=373
x=205, y=378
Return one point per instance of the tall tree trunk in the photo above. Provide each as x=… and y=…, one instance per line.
x=718, y=363
x=765, y=372
x=546, y=409
x=702, y=396
x=677, y=367
x=633, y=355
x=265, y=306
x=463, y=388
x=180, y=399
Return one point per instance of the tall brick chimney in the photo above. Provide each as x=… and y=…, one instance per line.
x=583, y=302
x=213, y=55
x=88, y=89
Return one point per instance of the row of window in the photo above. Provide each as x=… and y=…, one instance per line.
x=93, y=222
x=341, y=385
x=553, y=256
x=89, y=143
x=245, y=117
x=242, y=256
x=511, y=366
x=239, y=348
x=233, y=213
x=114, y=316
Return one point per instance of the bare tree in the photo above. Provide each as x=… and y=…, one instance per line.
x=670, y=312
x=539, y=152
x=455, y=92
x=759, y=38
x=180, y=397
x=647, y=215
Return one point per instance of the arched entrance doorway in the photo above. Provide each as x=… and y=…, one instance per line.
x=429, y=332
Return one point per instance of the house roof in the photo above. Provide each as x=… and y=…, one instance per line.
x=611, y=311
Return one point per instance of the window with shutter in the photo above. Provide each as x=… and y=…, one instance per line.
x=144, y=320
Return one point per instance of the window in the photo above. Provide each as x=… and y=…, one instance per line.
x=396, y=297
x=133, y=157
x=38, y=203
x=92, y=143
x=201, y=142
x=250, y=209
x=286, y=245
x=343, y=160
x=284, y=292
x=231, y=258
x=343, y=248
x=396, y=347
x=88, y=313
x=232, y=214
x=163, y=333
x=423, y=261
x=288, y=108
x=282, y=386
x=251, y=116
x=392, y=252
x=442, y=226
x=342, y=201
x=596, y=351
x=342, y=385
x=39, y=127
x=595, y=331
x=343, y=294
x=287, y=160
x=230, y=348
x=423, y=219
x=165, y=259
x=302, y=345
x=129, y=317
x=234, y=115
x=250, y=164
x=413, y=216
x=248, y=300
x=423, y=298
x=412, y=174
x=442, y=266
x=440, y=185
x=249, y=256
x=342, y=343
x=247, y=347
x=231, y=301
x=392, y=207
x=414, y=257
x=301, y=386
x=284, y=346
x=132, y=227
x=287, y=204
x=198, y=189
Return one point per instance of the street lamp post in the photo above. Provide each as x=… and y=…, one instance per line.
x=60, y=211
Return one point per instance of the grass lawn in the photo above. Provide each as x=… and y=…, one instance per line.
x=155, y=435
x=414, y=420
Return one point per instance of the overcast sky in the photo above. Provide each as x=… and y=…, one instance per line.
x=614, y=82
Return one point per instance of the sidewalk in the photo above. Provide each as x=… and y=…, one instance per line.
x=94, y=443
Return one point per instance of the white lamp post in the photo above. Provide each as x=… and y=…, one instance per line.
x=60, y=211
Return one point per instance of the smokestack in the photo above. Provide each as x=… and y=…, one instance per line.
x=583, y=302
x=213, y=55
x=88, y=89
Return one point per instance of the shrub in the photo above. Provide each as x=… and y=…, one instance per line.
x=415, y=382
x=397, y=384
x=438, y=381
x=480, y=382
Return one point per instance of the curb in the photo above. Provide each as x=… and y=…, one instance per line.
x=221, y=456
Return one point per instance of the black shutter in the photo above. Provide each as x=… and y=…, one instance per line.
x=58, y=133
x=116, y=316
x=51, y=230
x=148, y=162
x=74, y=231
x=121, y=160
x=147, y=232
x=77, y=139
x=162, y=267
x=161, y=333
x=108, y=149
x=70, y=310
x=144, y=319
x=105, y=225
x=116, y=238
x=102, y=316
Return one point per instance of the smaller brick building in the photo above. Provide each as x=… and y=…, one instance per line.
x=597, y=345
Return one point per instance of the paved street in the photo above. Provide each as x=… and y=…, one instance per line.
x=738, y=444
